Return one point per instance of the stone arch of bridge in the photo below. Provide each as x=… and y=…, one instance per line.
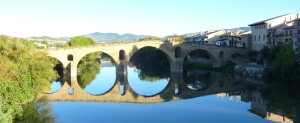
x=212, y=55
x=167, y=53
x=229, y=55
x=65, y=63
x=114, y=56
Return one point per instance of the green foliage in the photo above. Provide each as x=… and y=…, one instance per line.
x=87, y=73
x=152, y=38
x=252, y=53
x=88, y=67
x=284, y=64
x=45, y=42
x=5, y=117
x=199, y=53
x=180, y=40
x=25, y=71
x=265, y=52
x=37, y=112
x=81, y=41
x=272, y=54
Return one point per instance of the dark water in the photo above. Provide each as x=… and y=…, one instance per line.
x=202, y=96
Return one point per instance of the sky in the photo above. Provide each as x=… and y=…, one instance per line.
x=60, y=18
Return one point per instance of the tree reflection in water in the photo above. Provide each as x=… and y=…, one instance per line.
x=89, y=67
x=36, y=112
x=196, y=80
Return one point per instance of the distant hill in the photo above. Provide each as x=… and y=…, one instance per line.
x=240, y=28
x=100, y=37
x=110, y=37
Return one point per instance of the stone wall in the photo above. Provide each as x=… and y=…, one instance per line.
x=249, y=70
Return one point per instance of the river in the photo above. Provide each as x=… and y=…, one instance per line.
x=201, y=96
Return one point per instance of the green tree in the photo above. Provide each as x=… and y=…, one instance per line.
x=88, y=67
x=25, y=71
x=44, y=42
x=285, y=63
x=151, y=38
x=81, y=41
x=273, y=52
x=265, y=52
x=5, y=117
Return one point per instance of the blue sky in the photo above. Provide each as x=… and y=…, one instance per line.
x=58, y=18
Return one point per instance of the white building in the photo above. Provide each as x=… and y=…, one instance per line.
x=270, y=31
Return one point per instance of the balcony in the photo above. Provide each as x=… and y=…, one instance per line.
x=274, y=43
x=280, y=43
x=269, y=35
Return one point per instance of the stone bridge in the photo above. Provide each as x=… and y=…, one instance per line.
x=175, y=90
x=122, y=52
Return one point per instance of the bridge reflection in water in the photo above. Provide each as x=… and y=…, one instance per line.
x=122, y=92
x=177, y=89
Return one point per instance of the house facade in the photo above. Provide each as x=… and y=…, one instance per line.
x=271, y=31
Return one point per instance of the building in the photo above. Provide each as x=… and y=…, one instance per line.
x=174, y=37
x=246, y=40
x=205, y=37
x=212, y=37
x=292, y=33
x=270, y=31
x=232, y=39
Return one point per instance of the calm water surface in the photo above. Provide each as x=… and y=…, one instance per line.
x=232, y=106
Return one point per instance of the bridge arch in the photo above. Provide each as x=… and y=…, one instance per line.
x=63, y=62
x=221, y=54
x=237, y=57
x=177, y=52
x=162, y=49
x=210, y=54
x=122, y=55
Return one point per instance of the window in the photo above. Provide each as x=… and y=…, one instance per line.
x=286, y=33
x=298, y=23
x=254, y=37
x=298, y=39
x=264, y=37
x=290, y=32
x=298, y=31
x=258, y=37
x=70, y=57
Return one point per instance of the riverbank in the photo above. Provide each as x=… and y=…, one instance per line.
x=230, y=67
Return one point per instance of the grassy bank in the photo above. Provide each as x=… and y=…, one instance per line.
x=228, y=68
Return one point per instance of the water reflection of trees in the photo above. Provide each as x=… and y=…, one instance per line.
x=196, y=80
x=152, y=64
x=36, y=112
x=89, y=67
x=283, y=95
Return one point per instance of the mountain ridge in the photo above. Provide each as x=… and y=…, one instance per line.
x=111, y=37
